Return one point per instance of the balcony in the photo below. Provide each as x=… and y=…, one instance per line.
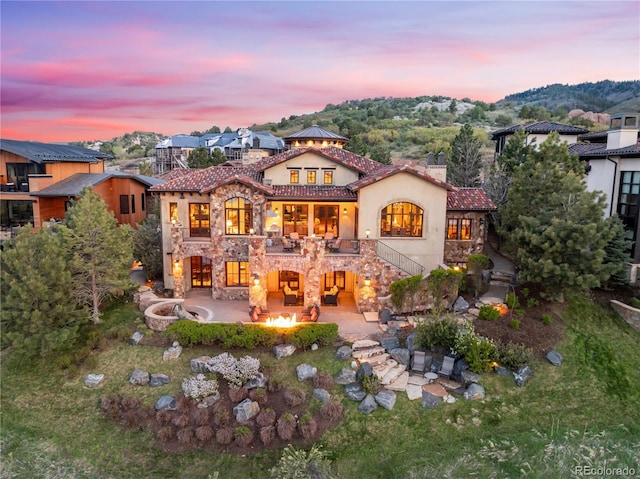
x=283, y=245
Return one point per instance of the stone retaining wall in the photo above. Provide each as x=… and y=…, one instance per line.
x=630, y=314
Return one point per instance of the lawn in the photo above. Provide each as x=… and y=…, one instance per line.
x=584, y=413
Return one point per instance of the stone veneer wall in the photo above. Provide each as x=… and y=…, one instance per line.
x=630, y=314
x=456, y=251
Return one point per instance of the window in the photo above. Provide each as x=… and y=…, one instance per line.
x=239, y=216
x=133, y=204
x=629, y=204
x=328, y=177
x=200, y=272
x=295, y=219
x=458, y=229
x=142, y=201
x=237, y=273
x=294, y=177
x=311, y=177
x=401, y=219
x=334, y=278
x=325, y=220
x=199, y=221
x=173, y=212
x=124, y=204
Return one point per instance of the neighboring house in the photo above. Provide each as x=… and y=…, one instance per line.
x=538, y=132
x=243, y=144
x=38, y=181
x=612, y=162
x=311, y=219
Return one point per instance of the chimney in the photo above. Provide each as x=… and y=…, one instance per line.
x=623, y=131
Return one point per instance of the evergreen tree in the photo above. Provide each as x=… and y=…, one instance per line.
x=217, y=157
x=356, y=145
x=101, y=252
x=147, y=246
x=381, y=154
x=464, y=165
x=617, y=253
x=37, y=317
x=554, y=224
x=200, y=158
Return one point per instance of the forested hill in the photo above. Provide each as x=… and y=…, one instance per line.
x=602, y=96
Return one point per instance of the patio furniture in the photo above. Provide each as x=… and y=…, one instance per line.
x=295, y=237
x=311, y=314
x=447, y=367
x=418, y=361
x=258, y=314
x=287, y=245
x=334, y=247
x=290, y=296
x=331, y=296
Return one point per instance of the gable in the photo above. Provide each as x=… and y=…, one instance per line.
x=310, y=160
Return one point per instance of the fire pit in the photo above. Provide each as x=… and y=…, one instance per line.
x=159, y=316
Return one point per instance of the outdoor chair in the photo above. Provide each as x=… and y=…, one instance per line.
x=334, y=247
x=295, y=238
x=331, y=296
x=287, y=245
x=417, y=364
x=311, y=314
x=290, y=296
x=258, y=314
x=447, y=367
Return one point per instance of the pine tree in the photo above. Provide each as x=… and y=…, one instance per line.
x=617, y=254
x=101, y=252
x=463, y=168
x=147, y=246
x=37, y=317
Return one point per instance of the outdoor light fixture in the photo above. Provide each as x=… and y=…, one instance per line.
x=368, y=232
x=256, y=279
x=276, y=211
x=344, y=210
x=367, y=281
x=251, y=231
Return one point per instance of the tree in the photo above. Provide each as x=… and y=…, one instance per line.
x=217, y=157
x=200, y=158
x=465, y=161
x=228, y=130
x=147, y=246
x=100, y=253
x=37, y=317
x=617, y=253
x=356, y=145
x=554, y=224
x=381, y=154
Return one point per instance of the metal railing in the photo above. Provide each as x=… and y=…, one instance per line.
x=397, y=259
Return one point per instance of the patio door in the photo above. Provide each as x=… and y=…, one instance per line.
x=200, y=272
x=325, y=219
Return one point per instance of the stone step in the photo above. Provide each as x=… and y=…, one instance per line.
x=400, y=383
x=448, y=383
x=364, y=344
x=393, y=374
x=382, y=369
x=362, y=354
x=378, y=359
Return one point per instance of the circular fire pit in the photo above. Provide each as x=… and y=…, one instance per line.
x=159, y=316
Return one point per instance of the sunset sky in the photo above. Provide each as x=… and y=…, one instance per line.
x=89, y=70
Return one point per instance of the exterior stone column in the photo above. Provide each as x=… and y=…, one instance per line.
x=178, y=263
x=313, y=251
x=257, y=292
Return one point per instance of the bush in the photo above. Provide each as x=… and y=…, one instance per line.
x=323, y=381
x=259, y=395
x=515, y=323
x=546, y=319
x=224, y=435
x=242, y=436
x=201, y=416
x=331, y=410
x=181, y=420
x=371, y=384
x=204, y=433
x=294, y=397
x=305, y=335
x=185, y=436
x=532, y=303
x=478, y=352
x=286, y=426
x=442, y=332
x=267, y=434
x=164, y=434
x=488, y=313
x=238, y=394
x=297, y=463
x=307, y=426
x=199, y=387
x=222, y=418
x=514, y=356
x=266, y=417
x=163, y=417
x=512, y=301
x=635, y=302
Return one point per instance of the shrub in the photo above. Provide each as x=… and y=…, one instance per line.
x=222, y=418
x=163, y=417
x=303, y=336
x=259, y=395
x=266, y=417
x=185, y=436
x=274, y=385
x=238, y=394
x=227, y=335
x=480, y=353
x=331, y=410
x=515, y=323
x=532, y=303
x=323, y=381
x=546, y=319
x=130, y=403
x=635, y=302
x=488, y=313
x=181, y=420
x=267, y=434
x=130, y=419
x=442, y=332
x=524, y=292
x=371, y=384
x=235, y=371
x=294, y=397
x=204, y=433
x=242, y=436
x=224, y=435
x=286, y=426
x=164, y=434
x=512, y=301
x=514, y=356
x=201, y=416
x=298, y=463
x=307, y=426
x=199, y=387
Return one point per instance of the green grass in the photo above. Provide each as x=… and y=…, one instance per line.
x=565, y=416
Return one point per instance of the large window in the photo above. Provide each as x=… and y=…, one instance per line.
x=124, y=205
x=458, y=229
x=237, y=273
x=629, y=203
x=295, y=219
x=325, y=220
x=200, y=272
x=239, y=216
x=199, y=222
x=401, y=219
x=173, y=212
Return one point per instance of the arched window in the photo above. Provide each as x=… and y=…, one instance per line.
x=401, y=219
x=238, y=216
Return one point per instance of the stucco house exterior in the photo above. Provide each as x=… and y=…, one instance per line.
x=309, y=219
x=538, y=132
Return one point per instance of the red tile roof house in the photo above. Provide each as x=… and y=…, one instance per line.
x=310, y=218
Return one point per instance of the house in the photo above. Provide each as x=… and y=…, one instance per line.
x=612, y=160
x=38, y=180
x=538, y=132
x=309, y=219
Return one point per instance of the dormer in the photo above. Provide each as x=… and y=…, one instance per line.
x=623, y=131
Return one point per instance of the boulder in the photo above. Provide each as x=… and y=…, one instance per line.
x=173, y=352
x=469, y=377
x=200, y=364
x=314, y=347
x=179, y=311
x=460, y=305
x=306, y=371
x=389, y=343
x=209, y=401
x=145, y=299
x=364, y=370
x=93, y=380
x=283, y=350
x=167, y=403
x=159, y=380
x=522, y=375
x=501, y=371
x=139, y=377
x=246, y=410
x=429, y=400
x=355, y=391
x=259, y=381
x=459, y=367
x=554, y=357
x=343, y=353
x=368, y=404
x=386, y=399
x=474, y=392
x=136, y=338
x=410, y=342
x=321, y=394
x=346, y=376
x=401, y=355
x=384, y=316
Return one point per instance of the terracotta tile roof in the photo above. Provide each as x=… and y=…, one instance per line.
x=175, y=173
x=210, y=178
x=541, y=127
x=389, y=170
x=595, y=150
x=469, y=199
x=309, y=192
